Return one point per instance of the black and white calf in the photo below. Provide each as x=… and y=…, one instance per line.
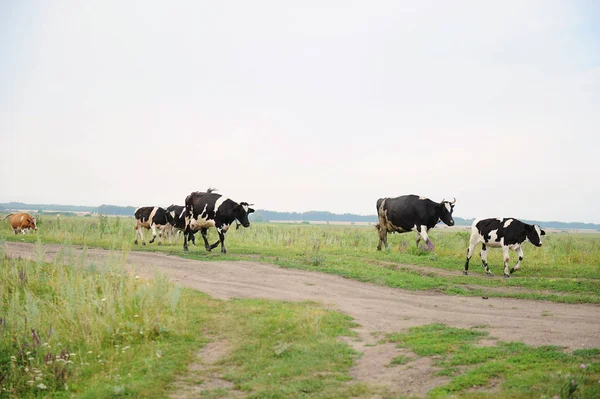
x=411, y=213
x=151, y=217
x=204, y=210
x=507, y=233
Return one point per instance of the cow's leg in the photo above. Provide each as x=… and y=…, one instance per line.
x=153, y=227
x=222, y=239
x=206, y=244
x=423, y=233
x=518, y=265
x=472, y=242
x=505, y=252
x=141, y=230
x=483, y=254
x=382, y=232
x=186, y=233
x=161, y=230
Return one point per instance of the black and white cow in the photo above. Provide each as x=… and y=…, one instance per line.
x=411, y=213
x=151, y=217
x=178, y=220
x=507, y=233
x=204, y=210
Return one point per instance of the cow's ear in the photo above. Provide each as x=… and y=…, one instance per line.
x=250, y=210
x=542, y=232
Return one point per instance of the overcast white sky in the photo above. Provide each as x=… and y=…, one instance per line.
x=313, y=106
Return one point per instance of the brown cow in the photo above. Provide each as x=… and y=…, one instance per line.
x=21, y=222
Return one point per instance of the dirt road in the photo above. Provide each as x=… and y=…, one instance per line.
x=375, y=308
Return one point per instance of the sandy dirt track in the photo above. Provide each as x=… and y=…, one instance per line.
x=375, y=308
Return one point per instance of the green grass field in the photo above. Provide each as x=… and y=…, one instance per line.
x=565, y=269
x=101, y=332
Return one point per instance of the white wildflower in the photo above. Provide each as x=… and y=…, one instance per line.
x=137, y=277
x=103, y=299
x=89, y=352
x=30, y=358
x=41, y=386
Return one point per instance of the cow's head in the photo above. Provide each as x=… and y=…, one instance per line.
x=34, y=220
x=446, y=212
x=534, y=234
x=241, y=212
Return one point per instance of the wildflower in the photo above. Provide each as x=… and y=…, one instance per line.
x=28, y=353
x=136, y=277
x=126, y=347
x=30, y=358
x=72, y=354
x=66, y=387
x=103, y=299
x=41, y=386
x=158, y=355
x=45, y=344
x=582, y=366
x=13, y=358
x=135, y=315
x=30, y=382
x=27, y=369
x=89, y=352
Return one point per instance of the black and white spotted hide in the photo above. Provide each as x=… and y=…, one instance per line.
x=204, y=210
x=177, y=213
x=151, y=217
x=506, y=233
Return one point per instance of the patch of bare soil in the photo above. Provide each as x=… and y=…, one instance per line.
x=204, y=375
x=374, y=367
x=375, y=308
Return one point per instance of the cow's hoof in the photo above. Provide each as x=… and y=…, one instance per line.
x=506, y=275
x=135, y=242
x=379, y=248
x=223, y=251
x=208, y=249
x=489, y=274
x=143, y=243
x=185, y=249
x=512, y=270
x=466, y=273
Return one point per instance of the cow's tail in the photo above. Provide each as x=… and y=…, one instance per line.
x=210, y=190
x=9, y=215
x=378, y=226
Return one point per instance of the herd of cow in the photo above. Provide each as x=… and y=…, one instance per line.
x=203, y=210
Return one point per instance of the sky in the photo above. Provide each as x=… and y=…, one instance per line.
x=298, y=106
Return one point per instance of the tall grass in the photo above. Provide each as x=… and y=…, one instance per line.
x=66, y=328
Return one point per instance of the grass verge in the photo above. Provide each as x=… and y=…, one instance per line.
x=517, y=370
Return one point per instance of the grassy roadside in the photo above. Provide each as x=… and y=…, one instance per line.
x=566, y=269
x=99, y=331
x=507, y=369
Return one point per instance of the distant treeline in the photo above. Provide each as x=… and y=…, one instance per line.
x=263, y=215
x=116, y=210
x=47, y=207
x=314, y=216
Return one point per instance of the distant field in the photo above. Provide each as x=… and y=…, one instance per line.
x=565, y=269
